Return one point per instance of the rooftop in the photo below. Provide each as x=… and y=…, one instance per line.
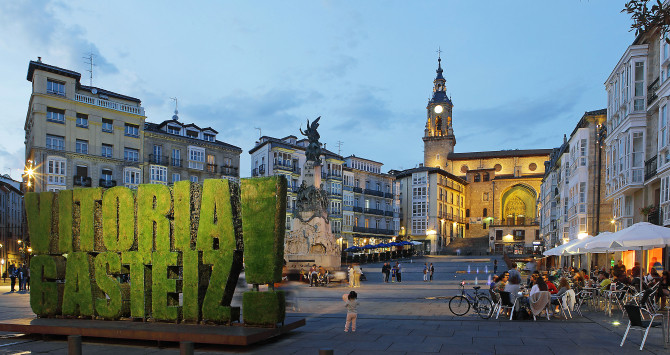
x=409, y=172
x=500, y=154
x=156, y=127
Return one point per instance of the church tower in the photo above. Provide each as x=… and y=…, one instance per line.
x=438, y=138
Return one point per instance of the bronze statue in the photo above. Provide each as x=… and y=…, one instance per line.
x=313, y=151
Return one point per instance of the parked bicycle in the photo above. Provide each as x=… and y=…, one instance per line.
x=480, y=303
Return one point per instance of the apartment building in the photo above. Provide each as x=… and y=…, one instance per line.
x=572, y=202
x=286, y=156
x=78, y=135
x=432, y=206
x=12, y=224
x=370, y=203
x=175, y=151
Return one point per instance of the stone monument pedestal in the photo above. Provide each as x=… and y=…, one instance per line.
x=311, y=242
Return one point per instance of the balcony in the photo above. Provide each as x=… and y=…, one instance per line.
x=521, y=222
x=229, y=170
x=83, y=181
x=293, y=188
x=117, y=106
x=296, y=170
x=358, y=209
x=158, y=159
x=176, y=162
x=283, y=166
x=650, y=168
x=388, y=213
x=388, y=195
x=211, y=168
x=107, y=183
x=334, y=175
x=374, y=230
x=373, y=211
x=374, y=192
x=357, y=190
x=652, y=91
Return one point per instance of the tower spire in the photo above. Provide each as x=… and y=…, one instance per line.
x=176, y=109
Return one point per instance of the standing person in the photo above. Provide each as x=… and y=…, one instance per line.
x=425, y=272
x=495, y=266
x=312, y=276
x=432, y=271
x=394, y=272
x=352, y=311
x=399, y=272
x=351, y=276
x=514, y=271
x=19, y=274
x=384, y=273
x=388, y=272
x=357, y=276
x=12, y=276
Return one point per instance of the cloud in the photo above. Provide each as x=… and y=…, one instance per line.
x=37, y=23
x=531, y=122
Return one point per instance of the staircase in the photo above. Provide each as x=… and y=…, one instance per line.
x=468, y=246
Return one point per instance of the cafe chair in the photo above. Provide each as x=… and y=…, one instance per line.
x=540, y=301
x=505, y=302
x=635, y=321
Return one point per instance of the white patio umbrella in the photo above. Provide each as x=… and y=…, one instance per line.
x=643, y=235
x=580, y=247
x=559, y=249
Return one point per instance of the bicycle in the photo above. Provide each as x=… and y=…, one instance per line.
x=460, y=304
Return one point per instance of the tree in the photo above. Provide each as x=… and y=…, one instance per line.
x=645, y=17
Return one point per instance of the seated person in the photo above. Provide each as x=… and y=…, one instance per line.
x=585, y=274
x=550, y=285
x=604, y=280
x=494, y=281
x=512, y=287
x=564, y=287
x=579, y=281
x=539, y=285
x=500, y=286
x=533, y=277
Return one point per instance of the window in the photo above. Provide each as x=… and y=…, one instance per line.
x=418, y=226
x=82, y=120
x=107, y=125
x=55, y=142
x=209, y=137
x=173, y=130
x=55, y=87
x=196, y=158
x=176, y=157
x=638, y=103
x=467, y=212
x=419, y=192
x=132, y=177
x=130, y=154
x=158, y=175
x=55, y=115
x=191, y=134
x=662, y=128
x=132, y=130
x=175, y=177
x=56, y=170
x=194, y=178
x=418, y=209
x=485, y=196
x=485, y=213
x=81, y=146
x=211, y=164
x=106, y=176
x=106, y=150
x=477, y=177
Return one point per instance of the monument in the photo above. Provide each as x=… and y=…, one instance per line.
x=311, y=241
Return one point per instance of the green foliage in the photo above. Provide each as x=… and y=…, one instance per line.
x=263, y=213
x=216, y=215
x=87, y=199
x=216, y=306
x=153, y=206
x=107, y=265
x=64, y=221
x=118, y=222
x=140, y=282
x=39, y=209
x=263, y=308
x=78, y=297
x=192, y=294
x=46, y=297
x=181, y=232
x=163, y=287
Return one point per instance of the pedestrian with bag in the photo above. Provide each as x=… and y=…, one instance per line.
x=432, y=271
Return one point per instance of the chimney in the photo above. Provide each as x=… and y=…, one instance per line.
x=420, y=165
x=39, y=59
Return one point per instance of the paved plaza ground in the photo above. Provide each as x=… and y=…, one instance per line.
x=395, y=318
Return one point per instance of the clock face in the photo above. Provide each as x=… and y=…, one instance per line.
x=438, y=109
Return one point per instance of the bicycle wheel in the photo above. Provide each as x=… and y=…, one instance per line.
x=485, y=307
x=459, y=305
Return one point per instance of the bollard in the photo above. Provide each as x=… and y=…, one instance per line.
x=326, y=352
x=186, y=348
x=74, y=344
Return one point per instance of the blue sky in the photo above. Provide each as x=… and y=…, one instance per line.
x=520, y=73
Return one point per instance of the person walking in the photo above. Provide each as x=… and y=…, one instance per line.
x=384, y=273
x=398, y=274
x=352, y=311
x=425, y=272
x=495, y=266
x=312, y=276
x=388, y=272
x=432, y=271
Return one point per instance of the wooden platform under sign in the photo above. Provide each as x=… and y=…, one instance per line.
x=196, y=333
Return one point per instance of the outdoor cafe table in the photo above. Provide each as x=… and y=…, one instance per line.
x=611, y=295
x=593, y=291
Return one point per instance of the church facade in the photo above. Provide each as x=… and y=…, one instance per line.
x=501, y=188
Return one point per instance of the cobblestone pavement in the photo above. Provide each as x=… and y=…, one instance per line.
x=411, y=317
